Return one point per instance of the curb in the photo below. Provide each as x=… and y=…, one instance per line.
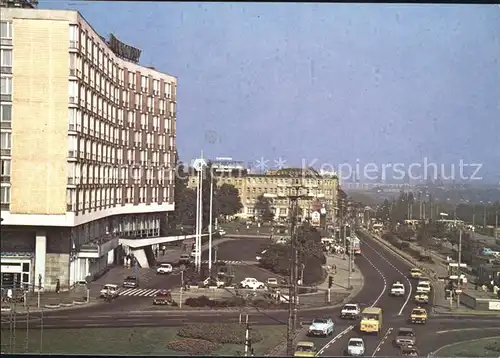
x=53, y=305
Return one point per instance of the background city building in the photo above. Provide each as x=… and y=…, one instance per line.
x=322, y=187
x=87, y=147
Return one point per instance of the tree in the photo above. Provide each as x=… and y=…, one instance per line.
x=263, y=208
x=310, y=253
x=228, y=199
x=184, y=199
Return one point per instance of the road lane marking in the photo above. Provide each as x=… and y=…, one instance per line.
x=348, y=329
x=384, y=338
x=467, y=329
x=394, y=267
x=326, y=346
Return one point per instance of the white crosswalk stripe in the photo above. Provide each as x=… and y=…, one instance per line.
x=139, y=292
x=225, y=261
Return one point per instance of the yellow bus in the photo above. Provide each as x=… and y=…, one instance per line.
x=371, y=320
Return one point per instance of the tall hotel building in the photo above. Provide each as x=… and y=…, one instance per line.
x=87, y=148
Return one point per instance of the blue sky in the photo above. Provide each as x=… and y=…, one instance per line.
x=332, y=82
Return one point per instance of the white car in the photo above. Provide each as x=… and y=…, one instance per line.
x=164, y=268
x=111, y=288
x=321, y=327
x=397, y=289
x=424, y=287
x=252, y=283
x=356, y=347
x=350, y=311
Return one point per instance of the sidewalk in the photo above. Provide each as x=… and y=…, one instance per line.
x=49, y=301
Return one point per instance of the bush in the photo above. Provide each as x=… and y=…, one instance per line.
x=194, y=346
x=223, y=333
x=231, y=302
x=201, y=301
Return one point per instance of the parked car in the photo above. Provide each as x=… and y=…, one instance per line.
x=163, y=297
x=184, y=259
x=164, y=269
x=111, y=288
x=131, y=282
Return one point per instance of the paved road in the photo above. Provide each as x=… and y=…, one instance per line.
x=238, y=250
x=379, y=267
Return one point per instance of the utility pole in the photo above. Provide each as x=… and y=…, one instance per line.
x=350, y=267
x=294, y=267
x=484, y=217
x=459, y=264
x=210, y=225
x=474, y=215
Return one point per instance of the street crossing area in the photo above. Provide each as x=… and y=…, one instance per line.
x=236, y=262
x=139, y=292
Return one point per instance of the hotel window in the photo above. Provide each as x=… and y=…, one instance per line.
x=73, y=36
x=73, y=92
x=143, y=121
x=6, y=85
x=168, y=88
x=144, y=83
x=5, y=31
x=5, y=170
x=5, y=143
x=5, y=115
x=5, y=195
x=6, y=60
x=156, y=87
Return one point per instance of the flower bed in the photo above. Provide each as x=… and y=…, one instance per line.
x=221, y=333
x=193, y=346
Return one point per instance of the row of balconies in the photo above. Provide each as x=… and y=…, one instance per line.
x=102, y=204
x=98, y=66
x=115, y=181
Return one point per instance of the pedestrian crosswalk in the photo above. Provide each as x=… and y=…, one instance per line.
x=139, y=292
x=227, y=262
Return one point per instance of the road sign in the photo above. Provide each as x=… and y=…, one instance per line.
x=88, y=279
x=199, y=163
x=182, y=267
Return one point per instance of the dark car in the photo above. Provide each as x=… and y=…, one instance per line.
x=131, y=282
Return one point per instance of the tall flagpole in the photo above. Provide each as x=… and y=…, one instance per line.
x=200, y=230
x=197, y=220
x=210, y=225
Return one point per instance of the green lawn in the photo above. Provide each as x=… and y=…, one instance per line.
x=123, y=341
x=253, y=229
x=487, y=347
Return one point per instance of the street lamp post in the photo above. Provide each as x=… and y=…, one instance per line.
x=199, y=164
x=210, y=226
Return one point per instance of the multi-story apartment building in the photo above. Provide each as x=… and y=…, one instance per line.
x=87, y=148
x=322, y=189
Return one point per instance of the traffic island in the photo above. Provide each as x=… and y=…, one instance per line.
x=53, y=305
x=212, y=339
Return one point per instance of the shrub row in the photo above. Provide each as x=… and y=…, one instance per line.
x=204, y=301
x=220, y=333
x=193, y=346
